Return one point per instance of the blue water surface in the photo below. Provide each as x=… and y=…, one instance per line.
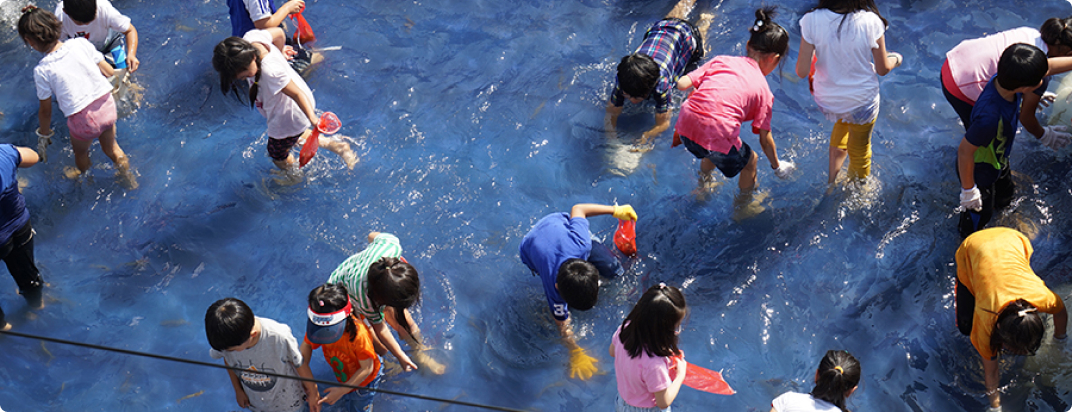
x=473, y=119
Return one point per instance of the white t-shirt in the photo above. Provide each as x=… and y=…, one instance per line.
x=277, y=352
x=258, y=9
x=845, y=77
x=802, y=402
x=97, y=31
x=285, y=117
x=973, y=62
x=73, y=75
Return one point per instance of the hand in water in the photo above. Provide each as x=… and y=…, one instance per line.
x=1047, y=100
x=582, y=366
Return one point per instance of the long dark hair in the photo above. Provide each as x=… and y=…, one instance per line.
x=846, y=7
x=651, y=326
x=837, y=374
x=332, y=297
x=1018, y=329
x=232, y=56
x=394, y=283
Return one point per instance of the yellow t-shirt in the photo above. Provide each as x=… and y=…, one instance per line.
x=994, y=264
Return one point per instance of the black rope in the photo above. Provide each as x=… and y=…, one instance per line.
x=218, y=366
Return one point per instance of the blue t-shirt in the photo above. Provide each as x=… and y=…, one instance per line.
x=13, y=213
x=240, y=21
x=993, y=129
x=553, y=240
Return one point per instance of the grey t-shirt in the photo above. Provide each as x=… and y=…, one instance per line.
x=275, y=352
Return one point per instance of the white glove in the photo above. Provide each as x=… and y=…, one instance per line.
x=42, y=144
x=1055, y=137
x=971, y=199
x=1047, y=99
x=785, y=168
x=993, y=409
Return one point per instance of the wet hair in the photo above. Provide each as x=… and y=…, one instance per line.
x=637, y=75
x=82, y=11
x=228, y=323
x=578, y=283
x=767, y=36
x=1021, y=65
x=394, y=283
x=837, y=374
x=1057, y=31
x=39, y=25
x=232, y=56
x=846, y=7
x=1018, y=329
x=332, y=297
x=651, y=326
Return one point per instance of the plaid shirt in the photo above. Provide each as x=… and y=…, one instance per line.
x=671, y=44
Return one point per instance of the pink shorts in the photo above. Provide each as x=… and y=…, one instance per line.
x=89, y=123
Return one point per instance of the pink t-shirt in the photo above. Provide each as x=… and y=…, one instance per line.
x=729, y=90
x=973, y=62
x=640, y=377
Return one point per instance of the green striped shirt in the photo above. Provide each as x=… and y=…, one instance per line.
x=353, y=273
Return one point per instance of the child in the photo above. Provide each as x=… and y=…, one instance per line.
x=731, y=90
x=644, y=349
x=16, y=235
x=347, y=345
x=998, y=300
x=248, y=342
x=562, y=252
x=845, y=36
x=381, y=282
x=100, y=23
x=278, y=93
x=835, y=380
x=969, y=66
x=671, y=47
x=983, y=155
x=249, y=15
x=77, y=74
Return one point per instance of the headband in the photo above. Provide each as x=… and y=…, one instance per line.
x=1026, y=311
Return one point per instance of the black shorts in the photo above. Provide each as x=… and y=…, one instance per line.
x=279, y=149
x=730, y=164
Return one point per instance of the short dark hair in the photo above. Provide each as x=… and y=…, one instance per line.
x=394, y=283
x=651, y=326
x=228, y=323
x=1021, y=65
x=332, y=297
x=82, y=11
x=637, y=75
x=1018, y=329
x=768, y=36
x=836, y=375
x=578, y=283
x=39, y=25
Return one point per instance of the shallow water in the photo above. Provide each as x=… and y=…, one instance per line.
x=473, y=120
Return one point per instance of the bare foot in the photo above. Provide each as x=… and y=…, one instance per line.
x=127, y=179
x=71, y=172
x=6, y=327
x=350, y=158
x=289, y=177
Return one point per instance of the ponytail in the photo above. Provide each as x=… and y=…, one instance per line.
x=1018, y=329
x=837, y=375
x=1056, y=32
x=395, y=283
x=767, y=36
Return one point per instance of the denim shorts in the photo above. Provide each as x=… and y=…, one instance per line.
x=730, y=164
x=621, y=406
x=357, y=401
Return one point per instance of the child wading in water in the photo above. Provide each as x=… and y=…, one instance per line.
x=645, y=348
x=731, y=90
x=347, y=345
x=847, y=38
x=835, y=379
x=77, y=73
x=277, y=91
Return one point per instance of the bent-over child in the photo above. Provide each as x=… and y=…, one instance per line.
x=836, y=379
x=101, y=24
x=347, y=346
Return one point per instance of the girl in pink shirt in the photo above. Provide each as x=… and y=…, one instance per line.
x=645, y=348
x=731, y=90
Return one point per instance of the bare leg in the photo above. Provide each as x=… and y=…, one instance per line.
x=340, y=148
x=681, y=10
x=702, y=26
x=837, y=159
x=111, y=148
x=81, y=155
x=747, y=180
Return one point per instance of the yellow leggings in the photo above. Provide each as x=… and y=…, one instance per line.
x=856, y=138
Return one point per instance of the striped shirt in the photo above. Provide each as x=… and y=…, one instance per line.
x=353, y=273
x=671, y=44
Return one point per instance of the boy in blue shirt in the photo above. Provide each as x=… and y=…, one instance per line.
x=983, y=155
x=249, y=15
x=560, y=250
x=16, y=235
